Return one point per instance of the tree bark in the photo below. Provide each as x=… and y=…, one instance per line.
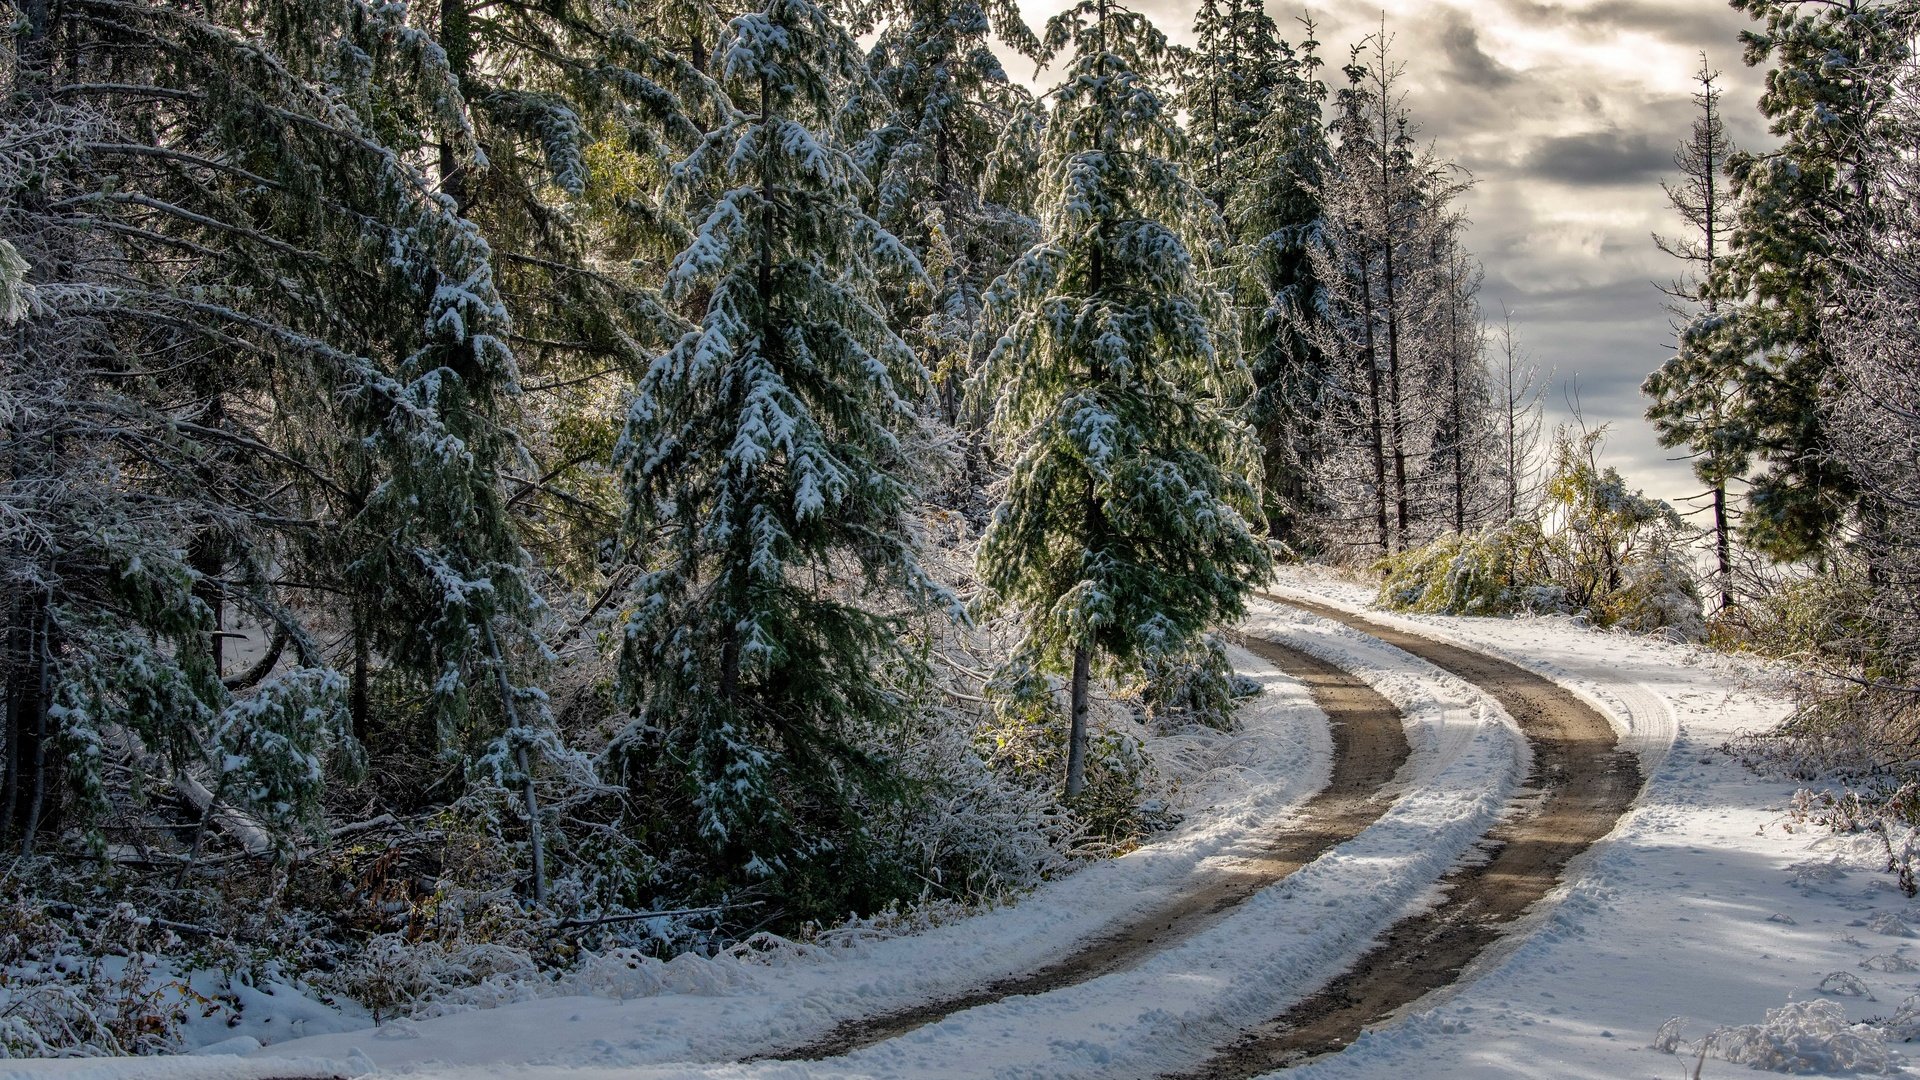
x=1077, y=733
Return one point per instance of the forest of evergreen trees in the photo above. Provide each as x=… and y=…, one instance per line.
x=573, y=459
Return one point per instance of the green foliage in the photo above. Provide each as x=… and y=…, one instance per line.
x=1274, y=205
x=1602, y=549
x=1026, y=740
x=1748, y=384
x=1195, y=685
x=1498, y=571
x=1126, y=525
x=769, y=458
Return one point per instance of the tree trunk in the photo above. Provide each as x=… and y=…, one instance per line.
x=359, y=700
x=1722, y=545
x=1377, y=411
x=1077, y=733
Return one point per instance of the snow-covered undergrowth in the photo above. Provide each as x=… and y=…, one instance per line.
x=1225, y=786
x=1798, y=1037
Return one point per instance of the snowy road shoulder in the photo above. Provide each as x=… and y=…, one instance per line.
x=1242, y=785
x=1698, y=906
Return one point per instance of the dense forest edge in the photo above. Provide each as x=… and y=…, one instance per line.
x=494, y=487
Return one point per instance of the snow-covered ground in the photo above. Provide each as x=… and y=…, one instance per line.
x=1698, y=905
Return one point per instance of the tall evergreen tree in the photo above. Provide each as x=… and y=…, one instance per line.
x=1832, y=65
x=951, y=109
x=305, y=353
x=1694, y=391
x=1234, y=79
x=1464, y=430
x=769, y=463
x=1126, y=527
x=1274, y=207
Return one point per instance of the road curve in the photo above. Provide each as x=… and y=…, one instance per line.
x=1579, y=785
x=1369, y=749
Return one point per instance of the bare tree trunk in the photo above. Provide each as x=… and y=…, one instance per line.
x=1376, y=418
x=1077, y=733
x=1722, y=544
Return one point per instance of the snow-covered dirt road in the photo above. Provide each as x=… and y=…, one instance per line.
x=1369, y=750
x=1579, y=784
x=1696, y=904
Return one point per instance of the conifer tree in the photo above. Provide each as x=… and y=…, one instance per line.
x=1517, y=422
x=1382, y=266
x=1463, y=432
x=1126, y=528
x=1694, y=391
x=951, y=111
x=1275, y=211
x=1832, y=66
x=1233, y=80
x=303, y=354
x=577, y=109
x=769, y=463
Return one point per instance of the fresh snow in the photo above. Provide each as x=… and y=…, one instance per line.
x=1700, y=906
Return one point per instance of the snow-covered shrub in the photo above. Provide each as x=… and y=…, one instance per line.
x=1192, y=686
x=393, y=977
x=1888, y=812
x=1661, y=595
x=1494, y=572
x=89, y=987
x=1798, y=1037
x=1601, y=548
x=969, y=832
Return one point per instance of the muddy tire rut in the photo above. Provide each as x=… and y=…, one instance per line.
x=1369, y=750
x=1580, y=784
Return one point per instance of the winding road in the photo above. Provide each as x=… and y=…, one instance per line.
x=1580, y=781
x=1580, y=784
x=1369, y=750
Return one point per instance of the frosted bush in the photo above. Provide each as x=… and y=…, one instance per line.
x=395, y=977
x=1660, y=596
x=84, y=990
x=1494, y=572
x=1807, y=1037
x=1799, y=1037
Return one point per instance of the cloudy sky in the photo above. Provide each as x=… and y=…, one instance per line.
x=1566, y=114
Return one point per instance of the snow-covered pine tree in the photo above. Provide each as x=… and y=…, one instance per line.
x=1126, y=524
x=1693, y=392
x=1273, y=208
x=302, y=351
x=951, y=107
x=579, y=107
x=769, y=458
x=1228, y=86
x=1380, y=264
x=1833, y=67
x=1464, y=430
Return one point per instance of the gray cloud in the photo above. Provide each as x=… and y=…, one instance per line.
x=1600, y=158
x=1711, y=26
x=1467, y=61
x=1566, y=113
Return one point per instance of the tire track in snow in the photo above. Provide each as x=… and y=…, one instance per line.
x=1370, y=750
x=1581, y=782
